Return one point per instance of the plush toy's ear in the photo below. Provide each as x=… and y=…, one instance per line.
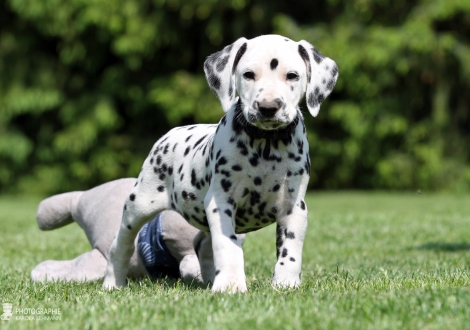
x=220, y=68
x=322, y=73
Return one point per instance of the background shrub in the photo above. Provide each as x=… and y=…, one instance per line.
x=87, y=86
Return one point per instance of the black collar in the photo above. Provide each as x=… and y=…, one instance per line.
x=240, y=123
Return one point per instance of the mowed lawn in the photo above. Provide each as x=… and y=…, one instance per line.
x=371, y=261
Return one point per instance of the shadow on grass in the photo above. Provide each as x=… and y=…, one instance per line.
x=170, y=282
x=443, y=247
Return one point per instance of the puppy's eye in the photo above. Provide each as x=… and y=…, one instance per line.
x=292, y=76
x=249, y=75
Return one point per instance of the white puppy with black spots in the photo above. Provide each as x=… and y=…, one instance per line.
x=245, y=173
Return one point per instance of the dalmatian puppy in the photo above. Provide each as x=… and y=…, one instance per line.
x=248, y=171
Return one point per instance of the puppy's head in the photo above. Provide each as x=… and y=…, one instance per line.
x=270, y=74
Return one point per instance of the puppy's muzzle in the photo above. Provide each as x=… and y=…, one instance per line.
x=269, y=108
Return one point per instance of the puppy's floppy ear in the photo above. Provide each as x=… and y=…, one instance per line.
x=322, y=73
x=220, y=68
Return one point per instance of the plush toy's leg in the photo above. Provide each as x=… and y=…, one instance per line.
x=190, y=269
x=51, y=270
x=56, y=211
x=203, y=247
x=89, y=266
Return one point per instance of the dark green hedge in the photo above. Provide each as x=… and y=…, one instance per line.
x=87, y=86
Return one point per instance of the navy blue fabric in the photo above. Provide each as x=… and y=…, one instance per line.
x=152, y=249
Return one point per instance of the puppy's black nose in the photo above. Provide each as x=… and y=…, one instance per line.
x=269, y=109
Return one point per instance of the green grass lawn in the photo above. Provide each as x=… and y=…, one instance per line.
x=371, y=261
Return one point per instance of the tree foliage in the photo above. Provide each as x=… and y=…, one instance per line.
x=87, y=86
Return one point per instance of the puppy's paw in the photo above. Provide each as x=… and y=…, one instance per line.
x=285, y=282
x=229, y=284
x=110, y=283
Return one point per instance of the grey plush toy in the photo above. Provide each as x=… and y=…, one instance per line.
x=164, y=247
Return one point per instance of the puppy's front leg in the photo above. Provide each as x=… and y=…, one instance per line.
x=120, y=253
x=227, y=248
x=290, y=235
x=138, y=210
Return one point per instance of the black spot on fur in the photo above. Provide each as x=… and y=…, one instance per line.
x=334, y=71
x=279, y=240
x=215, y=210
x=223, y=121
x=284, y=253
x=193, y=177
x=245, y=192
x=222, y=63
x=292, y=259
x=317, y=56
x=257, y=181
x=214, y=81
x=303, y=53
x=289, y=234
x=273, y=64
x=294, y=157
x=276, y=187
x=165, y=151
x=217, y=272
x=243, y=149
x=238, y=56
x=311, y=100
x=255, y=197
x=220, y=162
x=129, y=227
x=228, y=212
x=254, y=160
x=302, y=205
x=132, y=197
x=300, y=146
x=236, y=168
x=226, y=184
x=187, y=150
x=199, y=141
x=233, y=237
x=161, y=188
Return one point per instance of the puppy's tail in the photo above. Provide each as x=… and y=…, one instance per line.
x=56, y=211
